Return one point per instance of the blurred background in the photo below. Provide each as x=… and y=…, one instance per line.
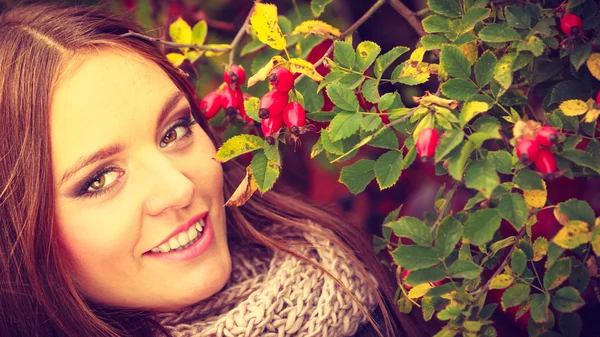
x=317, y=178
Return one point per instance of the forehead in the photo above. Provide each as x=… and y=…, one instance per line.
x=103, y=98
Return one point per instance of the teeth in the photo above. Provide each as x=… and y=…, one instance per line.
x=182, y=240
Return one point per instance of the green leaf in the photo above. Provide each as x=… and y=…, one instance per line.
x=567, y=299
x=454, y=62
x=470, y=110
x=386, y=101
x=581, y=158
x=415, y=257
x=518, y=261
x=404, y=304
x=318, y=6
x=573, y=234
x=580, y=54
x=515, y=295
x=481, y=226
x=313, y=101
x=557, y=274
x=238, y=145
x=344, y=125
x=384, y=61
x=481, y=175
x=570, y=324
x=496, y=32
x=366, y=53
x=344, y=54
x=574, y=209
x=465, y=269
x=502, y=160
x=343, y=97
x=448, y=233
x=358, y=175
x=449, y=8
x=517, y=17
x=440, y=290
x=503, y=73
x=528, y=180
x=484, y=68
x=595, y=241
x=471, y=18
x=437, y=24
x=326, y=116
x=265, y=171
x=457, y=163
x=412, y=228
x=512, y=207
x=449, y=142
x=370, y=122
x=554, y=252
x=272, y=152
x=539, y=307
x=388, y=168
x=370, y=90
x=199, y=32
x=580, y=276
x=459, y=89
x=431, y=42
x=534, y=44
x=421, y=276
x=387, y=139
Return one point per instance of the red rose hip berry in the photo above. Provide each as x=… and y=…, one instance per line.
x=281, y=79
x=427, y=143
x=545, y=162
x=294, y=117
x=234, y=76
x=527, y=150
x=232, y=100
x=571, y=24
x=272, y=104
x=546, y=136
x=270, y=126
x=210, y=104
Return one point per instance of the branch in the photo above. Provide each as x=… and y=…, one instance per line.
x=500, y=269
x=347, y=32
x=240, y=33
x=175, y=44
x=444, y=208
x=409, y=16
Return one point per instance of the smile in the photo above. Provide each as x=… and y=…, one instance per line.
x=183, y=239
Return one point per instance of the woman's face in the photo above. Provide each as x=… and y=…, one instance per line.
x=132, y=176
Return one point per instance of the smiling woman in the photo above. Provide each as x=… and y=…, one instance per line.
x=111, y=208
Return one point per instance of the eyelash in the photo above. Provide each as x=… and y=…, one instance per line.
x=83, y=192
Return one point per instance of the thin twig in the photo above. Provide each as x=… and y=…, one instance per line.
x=504, y=262
x=240, y=33
x=177, y=45
x=409, y=16
x=347, y=32
x=444, y=208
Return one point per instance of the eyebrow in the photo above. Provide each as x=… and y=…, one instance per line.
x=114, y=149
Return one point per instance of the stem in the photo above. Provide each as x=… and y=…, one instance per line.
x=175, y=44
x=500, y=269
x=347, y=32
x=240, y=33
x=445, y=207
x=409, y=16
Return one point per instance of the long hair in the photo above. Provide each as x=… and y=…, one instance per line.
x=37, y=297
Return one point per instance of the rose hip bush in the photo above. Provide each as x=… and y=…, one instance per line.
x=517, y=106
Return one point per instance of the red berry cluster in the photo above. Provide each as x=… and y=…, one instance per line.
x=230, y=98
x=571, y=24
x=536, y=150
x=427, y=142
x=275, y=110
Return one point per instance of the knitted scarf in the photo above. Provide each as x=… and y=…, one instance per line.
x=274, y=294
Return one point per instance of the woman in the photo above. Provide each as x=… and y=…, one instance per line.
x=111, y=218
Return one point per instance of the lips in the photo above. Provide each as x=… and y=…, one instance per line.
x=182, y=234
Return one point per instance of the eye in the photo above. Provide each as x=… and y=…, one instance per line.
x=179, y=131
x=101, y=182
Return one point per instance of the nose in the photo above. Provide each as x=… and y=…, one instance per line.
x=168, y=187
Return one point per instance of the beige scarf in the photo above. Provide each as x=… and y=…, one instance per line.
x=273, y=294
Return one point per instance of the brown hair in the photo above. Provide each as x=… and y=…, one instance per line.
x=36, y=295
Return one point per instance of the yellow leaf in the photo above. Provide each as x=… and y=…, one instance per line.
x=193, y=55
x=318, y=28
x=536, y=198
x=596, y=237
x=225, y=48
x=265, y=22
x=181, y=32
x=238, y=145
x=244, y=191
x=540, y=248
x=561, y=217
x=304, y=67
x=593, y=64
x=591, y=116
x=470, y=51
x=574, y=233
x=526, y=129
x=262, y=74
x=417, y=55
x=501, y=281
x=176, y=59
x=573, y=107
x=419, y=291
